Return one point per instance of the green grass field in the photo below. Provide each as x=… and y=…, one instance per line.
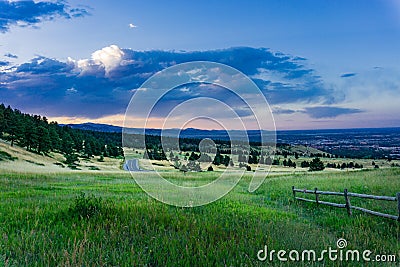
x=45, y=221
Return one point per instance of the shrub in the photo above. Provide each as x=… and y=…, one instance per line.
x=86, y=207
x=6, y=156
x=94, y=168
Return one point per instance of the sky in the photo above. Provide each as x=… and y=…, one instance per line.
x=319, y=64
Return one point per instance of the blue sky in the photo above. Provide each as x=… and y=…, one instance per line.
x=320, y=64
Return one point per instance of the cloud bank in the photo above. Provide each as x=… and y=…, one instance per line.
x=30, y=13
x=103, y=84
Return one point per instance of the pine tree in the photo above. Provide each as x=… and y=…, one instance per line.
x=44, y=141
x=70, y=159
x=231, y=164
x=31, y=137
x=55, y=140
x=88, y=150
x=316, y=165
x=14, y=127
x=2, y=122
x=226, y=160
x=67, y=143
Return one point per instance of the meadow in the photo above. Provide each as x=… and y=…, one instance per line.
x=105, y=219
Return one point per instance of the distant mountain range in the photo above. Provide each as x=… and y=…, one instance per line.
x=253, y=135
x=90, y=126
x=311, y=137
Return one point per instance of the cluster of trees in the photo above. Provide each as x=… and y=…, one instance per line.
x=155, y=153
x=289, y=163
x=360, y=153
x=284, y=150
x=344, y=165
x=241, y=165
x=224, y=160
x=37, y=134
x=315, y=165
x=285, y=153
x=191, y=166
x=254, y=159
x=194, y=160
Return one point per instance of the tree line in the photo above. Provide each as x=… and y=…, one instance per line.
x=38, y=135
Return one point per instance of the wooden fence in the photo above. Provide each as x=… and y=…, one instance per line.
x=347, y=204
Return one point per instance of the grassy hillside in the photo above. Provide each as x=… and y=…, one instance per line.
x=46, y=221
x=17, y=159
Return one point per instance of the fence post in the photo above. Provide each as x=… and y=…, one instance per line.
x=294, y=192
x=398, y=206
x=316, y=196
x=346, y=198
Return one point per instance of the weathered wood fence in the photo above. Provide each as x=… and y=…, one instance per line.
x=347, y=204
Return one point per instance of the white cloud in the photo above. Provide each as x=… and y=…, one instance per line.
x=72, y=90
x=184, y=89
x=132, y=26
x=108, y=58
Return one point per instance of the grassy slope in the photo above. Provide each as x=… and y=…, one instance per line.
x=34, y=163
x=132, y=230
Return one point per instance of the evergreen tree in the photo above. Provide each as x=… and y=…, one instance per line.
x=44, y=141
x=231, y=164
x=218, y=158
x=290, y=163
x=31, y=136
x=2, y=122
x=67, y=144
x=71, y=159
x=305, y=164
x=14, y=126
x=88, y=150
x=226, y=160
x=316, y=165
x=268, y=160
x=55, y=140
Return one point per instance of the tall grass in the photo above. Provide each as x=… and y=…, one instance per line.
x=101, y=220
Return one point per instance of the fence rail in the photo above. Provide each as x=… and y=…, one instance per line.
x=347, y=205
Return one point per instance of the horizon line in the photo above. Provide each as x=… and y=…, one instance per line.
x=313, y=129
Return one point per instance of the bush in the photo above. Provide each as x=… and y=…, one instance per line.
x=210, y=168
x=6, y=156
x=86, y=207
x=70, y=159
x=94, y=168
